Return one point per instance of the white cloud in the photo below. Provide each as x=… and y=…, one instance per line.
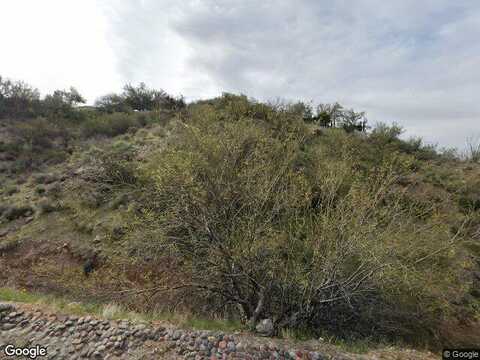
x=407, y=61
x=57, y=44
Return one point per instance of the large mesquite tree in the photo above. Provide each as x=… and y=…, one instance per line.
x=259, y=220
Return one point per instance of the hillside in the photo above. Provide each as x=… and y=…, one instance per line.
x=237, y=210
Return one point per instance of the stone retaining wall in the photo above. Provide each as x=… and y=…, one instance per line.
x=73, y=337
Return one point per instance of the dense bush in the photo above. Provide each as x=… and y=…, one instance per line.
x=110, y=124
x=38, y=134
x=119, y=123
x=114, y=166
x=35, y=142
x=335, y=115
x=139, y=98
x=386, y=138
x=18, y=99
x=62, y=105
x=236, y=107
x=261, y=218
x=111, y=103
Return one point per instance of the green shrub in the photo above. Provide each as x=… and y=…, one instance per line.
x=8, y=246
x=110, y=124
x=259, y=219
x=114, y=165
x=46, y=206
x=114, y=173
x=34, y=143
x=39, y=190
x=10, y=190
x=469, y=197
x=85, y=227
x=93, y=199
x=384, y=134
x=117, y=171
x=386, y=138
x=16, y=212
x=139, y=98
x=36, y=134
x=18, y=99
x=54, y=190
x=123, y=149
x=61, y=105
x=44, y=178
x=416, y=147
x=235, y=107
x=119, y=200
x=3, y=208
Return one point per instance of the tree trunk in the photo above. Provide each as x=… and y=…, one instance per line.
x=258, y=310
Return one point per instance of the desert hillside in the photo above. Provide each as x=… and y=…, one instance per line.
x=231, y=210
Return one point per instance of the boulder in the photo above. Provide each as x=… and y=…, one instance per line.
x=265, y=327
x=6, y=307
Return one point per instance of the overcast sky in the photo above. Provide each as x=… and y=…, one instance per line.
x=416, y=62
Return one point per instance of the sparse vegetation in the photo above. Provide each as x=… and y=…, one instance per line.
x=473, y=150
x=113, y=311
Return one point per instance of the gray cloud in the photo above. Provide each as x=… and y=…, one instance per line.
x=407, y=61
